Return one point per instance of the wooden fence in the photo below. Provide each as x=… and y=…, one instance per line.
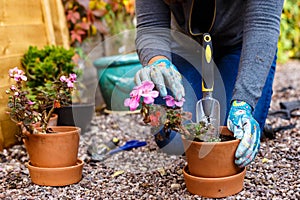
x=25, y=23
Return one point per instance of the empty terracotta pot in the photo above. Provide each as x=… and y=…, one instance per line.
x=57, y=149
x=214, y=187
x=212, y=159
x=60, y=176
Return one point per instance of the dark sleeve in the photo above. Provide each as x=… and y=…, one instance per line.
x=260, y=38
x=153, y=29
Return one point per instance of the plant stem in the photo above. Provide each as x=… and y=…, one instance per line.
x=45, y=124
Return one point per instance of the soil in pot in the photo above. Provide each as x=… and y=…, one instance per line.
x=59, y=149
x=212, y=159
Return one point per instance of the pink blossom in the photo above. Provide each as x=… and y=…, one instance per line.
x=69, y=81
x=170, y=101
x=72, y=77
x=12, y=88
x=147, y=86
x=144, y=90
x=24, y=78
x=135, y=92
x=147, y=92
x=70, y=84
x=12, y=72
x=16, y=94
x=17, y=74
x=149, y=96
x=132, y=102
x=63, y=79
x=30, y=102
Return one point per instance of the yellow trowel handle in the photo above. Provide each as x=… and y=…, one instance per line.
x=207, y=64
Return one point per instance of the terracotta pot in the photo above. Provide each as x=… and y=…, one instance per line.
x=214, y=187
x=52, y=121
x=55, y=149
x=56, y=176
x=212, y=159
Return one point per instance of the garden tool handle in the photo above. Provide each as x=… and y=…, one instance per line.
x=207, y=65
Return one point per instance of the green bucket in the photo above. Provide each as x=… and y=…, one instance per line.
x=116, y=78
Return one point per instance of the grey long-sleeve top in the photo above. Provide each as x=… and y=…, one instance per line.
x=254, y=23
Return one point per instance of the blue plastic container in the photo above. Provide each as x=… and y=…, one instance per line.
x=116, y=78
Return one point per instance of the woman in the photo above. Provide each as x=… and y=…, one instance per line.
x=244, y=37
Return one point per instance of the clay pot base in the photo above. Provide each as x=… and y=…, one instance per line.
x=60, y=176
x=214, y=187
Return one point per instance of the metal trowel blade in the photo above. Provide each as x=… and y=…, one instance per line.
x=208, y=111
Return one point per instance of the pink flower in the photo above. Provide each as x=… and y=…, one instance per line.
x=12, y=88
x=12, y=72
x=69, y=81
x=70, y=84
x=30, y=102
x=170, y=101
x=63, y=79
x=72, y=77
x=147, y=92
x=144, y=90
x=132, y=102
x=17, y=74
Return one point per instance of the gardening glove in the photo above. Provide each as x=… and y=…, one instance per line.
x=164, y=75
x=244, y=127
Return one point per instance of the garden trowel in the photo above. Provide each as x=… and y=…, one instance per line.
x=208, y=108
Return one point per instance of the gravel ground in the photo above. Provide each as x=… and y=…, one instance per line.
x=147, y=173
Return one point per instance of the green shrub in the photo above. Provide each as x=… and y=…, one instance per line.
x=43, y=68
x=289, y=39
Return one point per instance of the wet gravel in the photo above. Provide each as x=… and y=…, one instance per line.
x=147, y=173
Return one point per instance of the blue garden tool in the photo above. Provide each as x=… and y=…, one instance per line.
x=127, y=146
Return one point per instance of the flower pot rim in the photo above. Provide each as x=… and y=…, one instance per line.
x=225, y=132
x=212, y=143
x=82, y=104
x=75, y=128
x=116, y=60
x=214, y=178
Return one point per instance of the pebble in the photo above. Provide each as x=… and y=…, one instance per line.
x=175, y=186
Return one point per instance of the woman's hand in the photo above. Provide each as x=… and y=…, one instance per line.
x=244, y=127
x=164, y=75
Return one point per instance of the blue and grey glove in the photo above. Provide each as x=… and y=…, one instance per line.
x=164, y=75
x=244, y=127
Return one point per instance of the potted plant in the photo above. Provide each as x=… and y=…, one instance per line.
x=51, y=149
x=43, y=67
x=210, y=170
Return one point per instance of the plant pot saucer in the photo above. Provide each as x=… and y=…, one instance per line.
x=214, y=187
x=59, y=176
